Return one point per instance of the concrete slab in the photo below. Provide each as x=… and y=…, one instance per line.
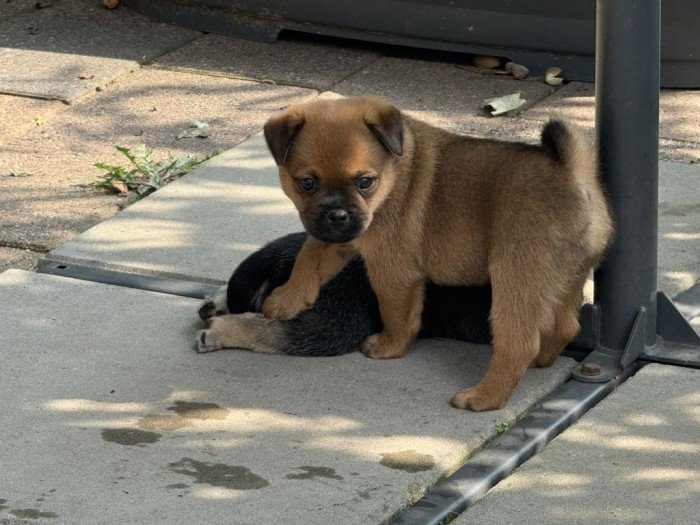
x=300, y=62
x=634, y=458
x=679, y=227
x=44, y=52
x=10, y=8
x=440, y=93
x=20, y=114
x=198, y=228
x=679, y=110
x=220, y=213
x=16, y=258
x=117, y=419
x=149, y=106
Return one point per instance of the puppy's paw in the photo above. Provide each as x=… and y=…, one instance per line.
x=208, y=339
x=378, y=346
x=477, y=400
x=286, y=302
x=214, y=304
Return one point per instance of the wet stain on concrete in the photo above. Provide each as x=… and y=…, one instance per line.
x=158, y=422
x=408, y=460
x=32, y=514
x=177, y=486
x=219, y=474
x=129, y=436
x=197, y=410
x=315, y=472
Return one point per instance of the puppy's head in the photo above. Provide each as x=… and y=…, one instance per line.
x=336, y=161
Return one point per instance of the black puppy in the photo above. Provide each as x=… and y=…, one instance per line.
x=345, y=313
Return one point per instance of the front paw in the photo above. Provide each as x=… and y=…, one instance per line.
x=286, y=302
x=379, y=346
x=477, y=400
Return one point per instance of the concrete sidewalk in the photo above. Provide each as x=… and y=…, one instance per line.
x=111, y=417
x=634, y=458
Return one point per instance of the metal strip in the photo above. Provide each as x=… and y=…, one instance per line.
x=508, y=451
x=150, y=283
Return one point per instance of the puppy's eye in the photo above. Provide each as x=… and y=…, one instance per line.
x=308, y=184
x=364, y=183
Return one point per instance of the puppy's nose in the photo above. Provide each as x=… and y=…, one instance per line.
x=337, y=216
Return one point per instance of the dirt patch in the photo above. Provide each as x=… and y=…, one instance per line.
x=219, y=474
x=197, y=410
x=165, y=423
x=315, y=472
x=408, y=460
x=129, y=436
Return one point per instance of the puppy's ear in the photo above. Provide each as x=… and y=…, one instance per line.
x=386, y=123
x=279, y=134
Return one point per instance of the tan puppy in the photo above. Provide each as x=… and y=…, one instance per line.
x=421, y=203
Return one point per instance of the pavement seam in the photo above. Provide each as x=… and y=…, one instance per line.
x=36, y=248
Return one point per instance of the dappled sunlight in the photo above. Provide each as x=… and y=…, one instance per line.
x=682, y=280
x=666, y=474
x=682, y=236
x=88, y=405
x=216, y=493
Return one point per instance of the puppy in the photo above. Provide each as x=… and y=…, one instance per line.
x=418, y=203
x=345, y=313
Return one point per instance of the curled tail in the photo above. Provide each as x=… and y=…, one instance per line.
x=568, y=144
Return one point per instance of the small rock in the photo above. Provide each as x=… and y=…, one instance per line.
x=486, y=62
x=85, y=75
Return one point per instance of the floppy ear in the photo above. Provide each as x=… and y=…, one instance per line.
x=386, y=123
x=279, y=134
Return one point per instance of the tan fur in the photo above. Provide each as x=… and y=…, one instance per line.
x=454, y=210
x=247, y=331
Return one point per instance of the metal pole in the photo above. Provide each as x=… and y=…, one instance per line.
x=627, y=124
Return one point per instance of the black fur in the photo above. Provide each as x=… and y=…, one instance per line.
x=555, y=135
x=346, y=311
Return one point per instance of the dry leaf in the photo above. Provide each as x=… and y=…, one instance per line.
x=85, y=75
x=19, y=174
x=192, y=133
x=517, y=70
x=45, y=3
x=267, y=81
x=500, y=105
x=110, y=4
x=120, y=187
x=552, y=77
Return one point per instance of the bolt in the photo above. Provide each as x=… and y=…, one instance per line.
x=591, y=369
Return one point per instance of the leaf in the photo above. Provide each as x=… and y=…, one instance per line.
x=192, y=133
x=39, y=120
x=500, y=428
x=199, y=124
x=19, y=174
x=144, y=175
x=500, y=105
x=120, y=187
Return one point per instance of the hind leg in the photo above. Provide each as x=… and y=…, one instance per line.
x=248, y=331
x=566, y=325
x=214, y=304
x=518, y=314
